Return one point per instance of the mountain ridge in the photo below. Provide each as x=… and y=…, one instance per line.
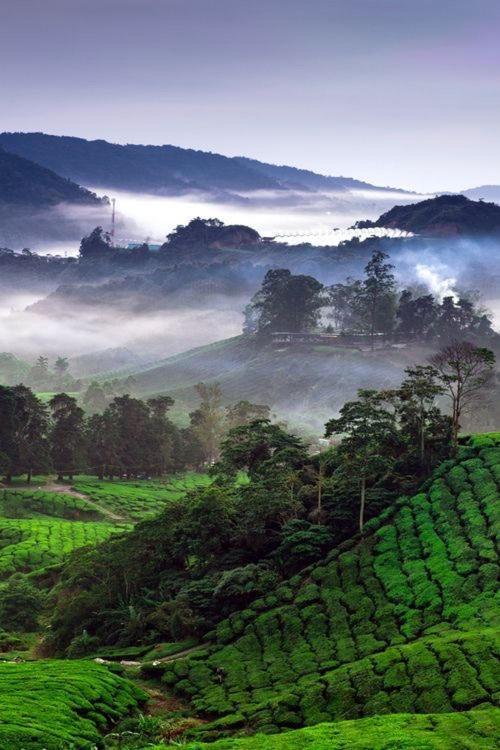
x=165, y=167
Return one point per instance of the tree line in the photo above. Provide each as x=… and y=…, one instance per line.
x=129, y=437
x=372, y=306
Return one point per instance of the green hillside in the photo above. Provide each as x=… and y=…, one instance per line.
x=471, y=730
x=304, y=384
x=400, y=622
x=22, y=182
x=60, y=704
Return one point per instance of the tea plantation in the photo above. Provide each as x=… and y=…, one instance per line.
x=400, y=622
x=472, y=730
x=55, y=704
x=20, y=503
x=136, y=500
x=28, y=544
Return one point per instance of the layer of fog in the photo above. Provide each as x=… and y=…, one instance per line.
x=139, y=216
x=292, y=216
x=83, y=331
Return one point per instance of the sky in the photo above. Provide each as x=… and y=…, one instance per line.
x=403, y=93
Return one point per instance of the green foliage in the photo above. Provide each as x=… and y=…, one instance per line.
x=286, y=302
x=472, y=730
x=55, y=704
x=20, y=604
x=400, y=623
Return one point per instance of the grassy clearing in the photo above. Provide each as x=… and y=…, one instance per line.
x=139, y=499
x=59, y=705
x=473, y=730
x=400, y=623
x=30, y=544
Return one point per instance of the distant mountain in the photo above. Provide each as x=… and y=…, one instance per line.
x=24, y=183
x=165, y=169
x=484, y=192
x=298, y=179
x=443, y=216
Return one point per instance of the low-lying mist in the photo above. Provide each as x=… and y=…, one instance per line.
x=81, y=331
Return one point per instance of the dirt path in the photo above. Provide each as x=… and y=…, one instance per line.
x=67, y=489
x=179, y=654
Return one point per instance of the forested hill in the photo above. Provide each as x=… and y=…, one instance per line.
x=445, y=215
x=24, y=183
x=163, y=168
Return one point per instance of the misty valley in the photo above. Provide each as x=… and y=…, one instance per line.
x=249, y=455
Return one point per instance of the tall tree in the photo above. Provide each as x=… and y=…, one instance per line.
x=344, y=304
x=61, y=366
x=95, y=398
x=67, y=438
x=416, y=317
x=378, y=295
x=161, y=430
x=207, y=421
x=368, y=431
x=96, y=245
x=420, y=420
x=464, y=370
x=261, y=449
x=244, y=412
x=102, y=444
x=288, y=303
x=131, y=419
x=23, y=432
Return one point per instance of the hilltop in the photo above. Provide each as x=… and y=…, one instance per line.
x=165, y=169
x=443, y=216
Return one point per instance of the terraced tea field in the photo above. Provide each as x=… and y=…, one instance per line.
x=58, y=705
x=136, y=500
x=28, y=544
x=402, y=622
x=19, y=503
x=472, y=730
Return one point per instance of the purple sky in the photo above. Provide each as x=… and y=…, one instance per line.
x=397, y=92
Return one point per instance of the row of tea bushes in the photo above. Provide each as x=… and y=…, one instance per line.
x=472, y=730
x=28, y=544
x=20, y=503
x=61, y=704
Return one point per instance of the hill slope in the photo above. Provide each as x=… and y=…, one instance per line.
x=24, y=183
x=445, y=215
x=162, y=168
x=305, y=384
x=471, y=730
x=399, y=622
